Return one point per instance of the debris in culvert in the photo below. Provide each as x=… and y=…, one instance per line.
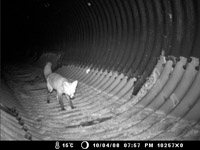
x=90, y=123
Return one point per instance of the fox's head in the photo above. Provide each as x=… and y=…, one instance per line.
x=70, y=88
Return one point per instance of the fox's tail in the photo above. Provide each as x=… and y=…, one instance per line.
x=47, y=69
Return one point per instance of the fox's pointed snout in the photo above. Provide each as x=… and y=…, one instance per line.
x=72, y=98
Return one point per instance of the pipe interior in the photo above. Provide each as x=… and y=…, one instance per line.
x=136, y=62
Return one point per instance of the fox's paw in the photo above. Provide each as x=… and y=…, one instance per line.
x=62, y=109
x=73, y=107
x=48, y=100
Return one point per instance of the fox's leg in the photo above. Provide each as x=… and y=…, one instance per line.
x=70, y=102
x=50, y=89
x=48, y=97
x=60, y=99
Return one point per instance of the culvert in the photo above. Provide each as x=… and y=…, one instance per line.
x=137, y=63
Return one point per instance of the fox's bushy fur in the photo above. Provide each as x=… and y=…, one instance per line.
x=62, y=86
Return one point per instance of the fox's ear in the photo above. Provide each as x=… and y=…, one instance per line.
x=75, y=83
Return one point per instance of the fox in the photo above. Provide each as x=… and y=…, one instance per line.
x=60, y=84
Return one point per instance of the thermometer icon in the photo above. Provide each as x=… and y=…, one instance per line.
x=57, y=146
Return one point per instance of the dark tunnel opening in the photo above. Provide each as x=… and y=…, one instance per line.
x=136, y=63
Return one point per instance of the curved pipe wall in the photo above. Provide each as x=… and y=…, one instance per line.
x=136, y=56
x=126, y=44
x=128, y=36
